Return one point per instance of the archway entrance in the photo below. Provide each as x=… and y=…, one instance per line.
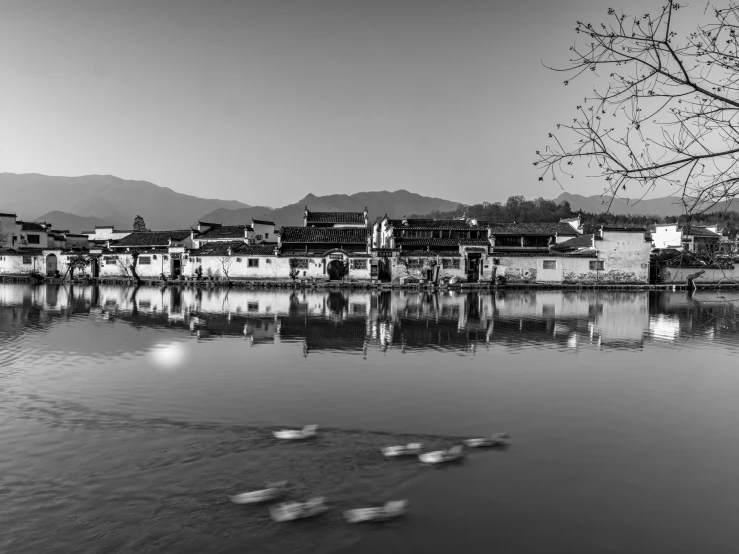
x=334, y=270
x=51, y=264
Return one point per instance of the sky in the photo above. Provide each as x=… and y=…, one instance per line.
x=264, y=101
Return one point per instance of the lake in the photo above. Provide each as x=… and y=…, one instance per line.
x=622, y=407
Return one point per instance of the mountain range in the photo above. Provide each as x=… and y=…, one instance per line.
x=668, y=205
x=378, y=203
x=81, y=203
x=103, y=197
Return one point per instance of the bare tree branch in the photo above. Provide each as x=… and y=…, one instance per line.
x=673, y=102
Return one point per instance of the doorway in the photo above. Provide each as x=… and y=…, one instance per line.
x=383, y=270
x=176, y=269
x=473, y=267
x=51, y=264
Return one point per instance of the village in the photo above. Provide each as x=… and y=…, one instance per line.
x=351, y=248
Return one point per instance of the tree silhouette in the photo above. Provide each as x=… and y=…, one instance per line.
x=667, y=115
x=139, y=224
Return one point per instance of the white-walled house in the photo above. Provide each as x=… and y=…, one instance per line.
x=34, y=235
x=667, y=235
x=262, y=232
x=106, y=233
x=152, y=249
x=9, y=230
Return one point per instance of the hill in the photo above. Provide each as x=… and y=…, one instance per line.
x=103, y=197
x=669, y=205
x=378, y=203
x=77, y=224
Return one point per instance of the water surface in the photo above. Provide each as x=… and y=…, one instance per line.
x=622, y=406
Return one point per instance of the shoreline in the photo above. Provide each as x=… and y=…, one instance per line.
x=364, y=285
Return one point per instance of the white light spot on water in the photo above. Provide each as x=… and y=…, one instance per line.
x=168, y=356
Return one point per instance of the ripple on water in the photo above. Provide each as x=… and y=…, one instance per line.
x=127, y=416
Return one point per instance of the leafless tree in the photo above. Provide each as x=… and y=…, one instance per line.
x=668, y=113
x=129, y=269
x=78, y=261
x=226, y=260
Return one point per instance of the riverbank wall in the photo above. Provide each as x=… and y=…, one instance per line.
x=714, y=281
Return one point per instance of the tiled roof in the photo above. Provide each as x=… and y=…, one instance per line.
x=552, y=254
x=399, y=241
x=440, y=242
x=583, y=241
x=151, y=238
x=32, y=226
x=336, y=217
x=262, y=222
x=617, y=229
x=237, y=249
x=224, y=232
x=474, y=242
x=324, y=234
x=532, y=229
x=430, y=223
x=426, y=253
x=698, y=232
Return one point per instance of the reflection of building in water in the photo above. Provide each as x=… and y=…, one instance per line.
x=606, y=318
x=707, y=314
x=356, y=321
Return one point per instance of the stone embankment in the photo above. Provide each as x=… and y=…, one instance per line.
x=359, y=285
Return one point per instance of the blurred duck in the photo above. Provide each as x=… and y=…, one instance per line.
x=297, y=434
x=410, y=449
x=390, y=510
x=272, y=491
x=289, y=511
x=442, y=456
x=497, y=439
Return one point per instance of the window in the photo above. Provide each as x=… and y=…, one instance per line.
x=269, y=261
x=27, y=260
x=253, y=262
x=596, y=265
x=33, y=239
x=413, y=263
x=252, y=306
x=109, y=259
x=238, y=260
x=266, y=235
x=359, y=264
x=536, y=241
x=450, y=263
x=258, y=237
x=144, y=260
x=550, y=264
x=301, y=263
x=507, y=240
